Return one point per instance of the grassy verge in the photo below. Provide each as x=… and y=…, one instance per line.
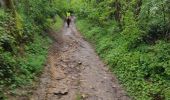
x=142, y=69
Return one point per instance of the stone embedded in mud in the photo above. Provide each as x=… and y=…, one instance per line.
x=59, y=78
x=61, y=92
x=84, y=96
x=79, y=63
x=63, y=65
x=71, y=44
x=60, y=75
x=93, y=88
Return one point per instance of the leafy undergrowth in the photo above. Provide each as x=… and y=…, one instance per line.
x=32, y=62
x=58, y=23
x=22, y=52
x=55, y=23
x=22, y=70
x=143, y=69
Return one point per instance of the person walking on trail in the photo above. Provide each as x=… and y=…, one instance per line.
x=68, y=19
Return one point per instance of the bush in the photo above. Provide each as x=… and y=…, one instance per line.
x=143, y=69
x=24, y=42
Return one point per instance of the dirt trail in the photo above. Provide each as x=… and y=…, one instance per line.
x=74, y=72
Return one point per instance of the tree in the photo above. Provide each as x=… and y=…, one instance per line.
x=10, y=7
x=9, y=4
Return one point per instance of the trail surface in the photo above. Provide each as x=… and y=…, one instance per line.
x=75, y=72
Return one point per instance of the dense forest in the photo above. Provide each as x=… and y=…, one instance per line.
x=131, y=36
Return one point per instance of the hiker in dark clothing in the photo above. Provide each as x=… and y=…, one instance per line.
x=68, y=21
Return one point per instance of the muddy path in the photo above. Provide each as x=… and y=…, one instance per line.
x=75, y=72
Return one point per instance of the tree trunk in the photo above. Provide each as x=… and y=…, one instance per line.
x=138, y=8
x=27, y=7
x=9, y=4
x=117, y=12
x=18, y=24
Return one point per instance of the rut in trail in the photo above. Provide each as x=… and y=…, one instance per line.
x=74, y=72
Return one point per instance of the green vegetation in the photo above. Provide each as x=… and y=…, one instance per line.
x=132, y=37
x=24, y=41
x=58, y=24
x=78, y=96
